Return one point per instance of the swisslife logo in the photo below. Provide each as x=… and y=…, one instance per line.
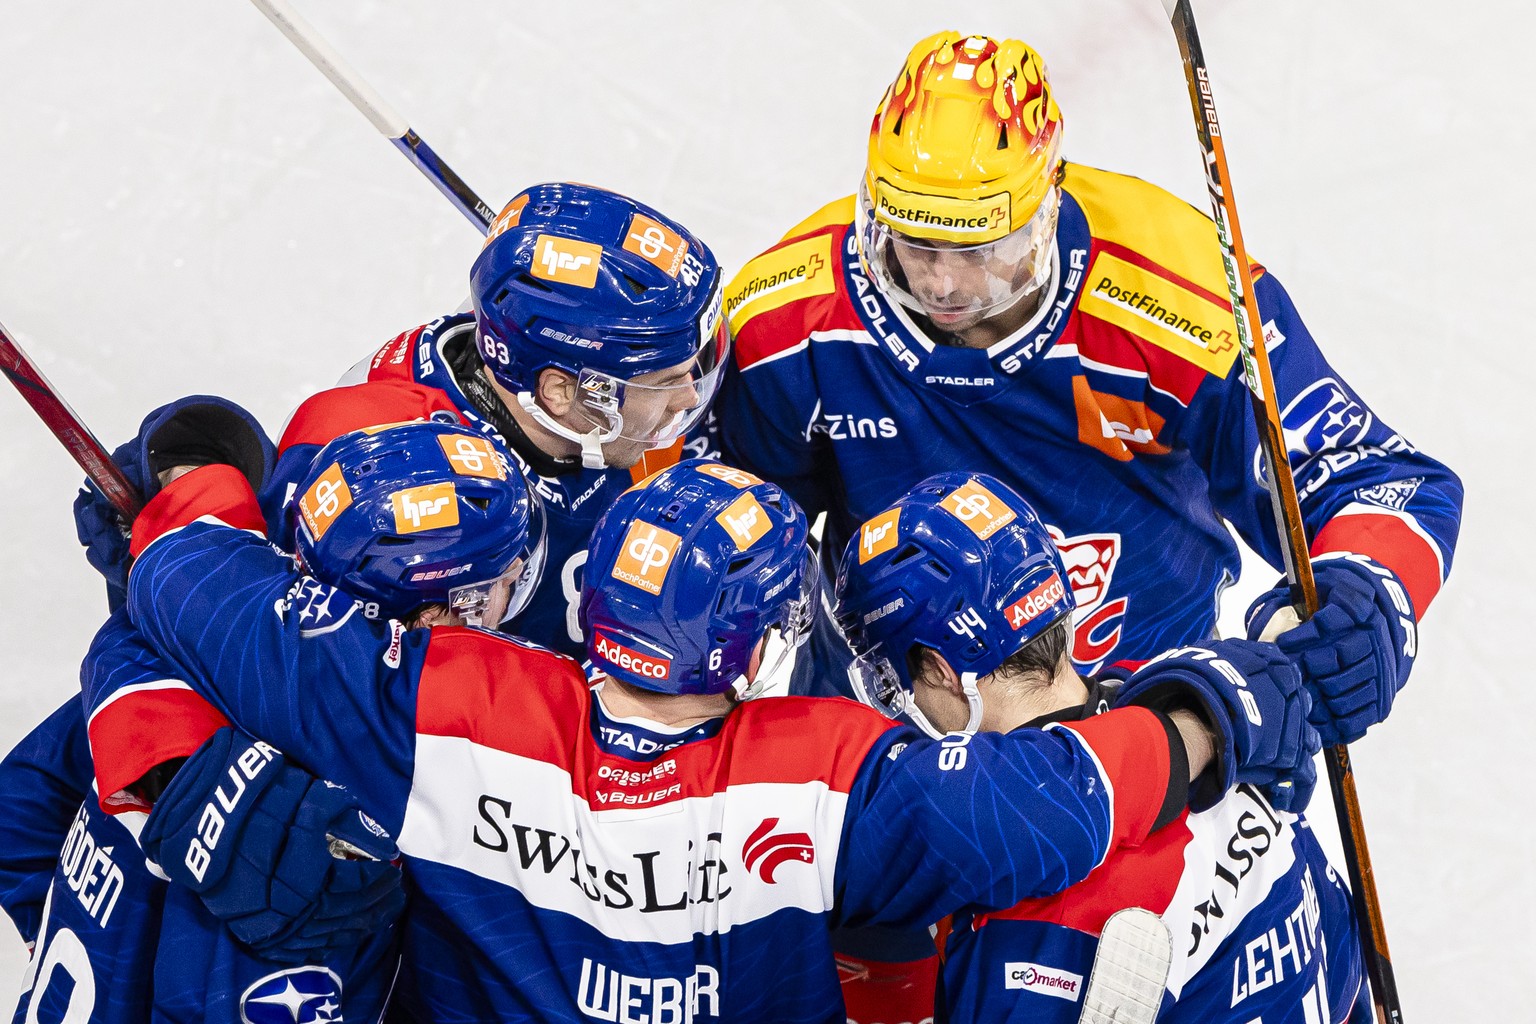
x=1047, y=981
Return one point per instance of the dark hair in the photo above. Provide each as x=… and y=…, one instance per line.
x=1039, y=657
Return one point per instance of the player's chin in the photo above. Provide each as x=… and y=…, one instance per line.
x=624, y=453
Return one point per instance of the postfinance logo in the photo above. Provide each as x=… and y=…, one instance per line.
x=473, y=456
x=745, y=520
x=942, y=217
x=428, y=507
x=653, y=241
x=978, y=508
x=878, y=535
x=327, y=498
x=566, y=261
x=645, y=556
x=1168, y=315
x=780, y=276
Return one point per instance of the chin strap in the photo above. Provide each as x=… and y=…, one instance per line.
x=591, y=442
x=972, y=698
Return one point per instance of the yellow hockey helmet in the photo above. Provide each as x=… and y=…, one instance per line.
x=965, y=145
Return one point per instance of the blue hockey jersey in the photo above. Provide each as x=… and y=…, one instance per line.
x=1119, y=411
x=117, y=945
x=568, y=865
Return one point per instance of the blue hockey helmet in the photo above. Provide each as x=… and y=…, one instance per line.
x=687, y=571
x=608, y=290
x=960, y=564
x=410, y=514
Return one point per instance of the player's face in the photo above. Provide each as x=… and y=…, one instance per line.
x=956, y=284
x=655, y=404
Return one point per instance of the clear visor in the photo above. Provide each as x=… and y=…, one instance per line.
x=876, y=683
x=950, y=282
x=663, y=405
x=789, y=632
x=491, y=603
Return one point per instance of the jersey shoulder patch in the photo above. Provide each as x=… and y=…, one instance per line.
x=1156, y=271
x=325, y=416
x=784, y=276
x=834, y=214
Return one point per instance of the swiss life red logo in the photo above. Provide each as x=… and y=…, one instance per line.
x=766, y=849
x=1029, y=607
x=631, y=660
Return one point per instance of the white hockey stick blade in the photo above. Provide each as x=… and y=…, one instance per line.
x=1130, y=970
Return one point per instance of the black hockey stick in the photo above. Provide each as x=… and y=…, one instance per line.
x=73, y=434
x=383, y=117
x=1282, y=493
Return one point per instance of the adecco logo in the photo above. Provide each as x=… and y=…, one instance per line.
x=629, y=659
x=1035, y=603
x=1044, y=980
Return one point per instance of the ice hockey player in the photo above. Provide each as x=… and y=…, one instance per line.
x=596, y=341
x=956, y=603
x=983, y=305
x=116, y=938
x=655, y=847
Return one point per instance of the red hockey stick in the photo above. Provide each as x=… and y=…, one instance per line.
x=67, y=427
x=1282, y=491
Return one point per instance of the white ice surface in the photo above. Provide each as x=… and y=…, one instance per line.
x=186, y=205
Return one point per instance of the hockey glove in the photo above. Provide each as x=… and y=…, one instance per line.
x=1356, y=652
x=194, y=431
x=1251, y=696
x=288, y=862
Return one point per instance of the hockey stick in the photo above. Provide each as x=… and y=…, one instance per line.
x=1282, y=493
x=383, y=117
x=58, y=417
x=1130, y=970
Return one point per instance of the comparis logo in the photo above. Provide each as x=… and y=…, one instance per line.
x=616, y=654
x=425, y=508
x=980, y=509
x=1035, y=603
x=773, y=849
x=645, y=556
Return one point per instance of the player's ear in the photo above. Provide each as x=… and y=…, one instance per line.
x=556, y=391
x=930, y=669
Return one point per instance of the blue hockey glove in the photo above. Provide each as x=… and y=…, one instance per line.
x=192, y=431
x=1252, y=697
x=1356, y=652
x=288, y=862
